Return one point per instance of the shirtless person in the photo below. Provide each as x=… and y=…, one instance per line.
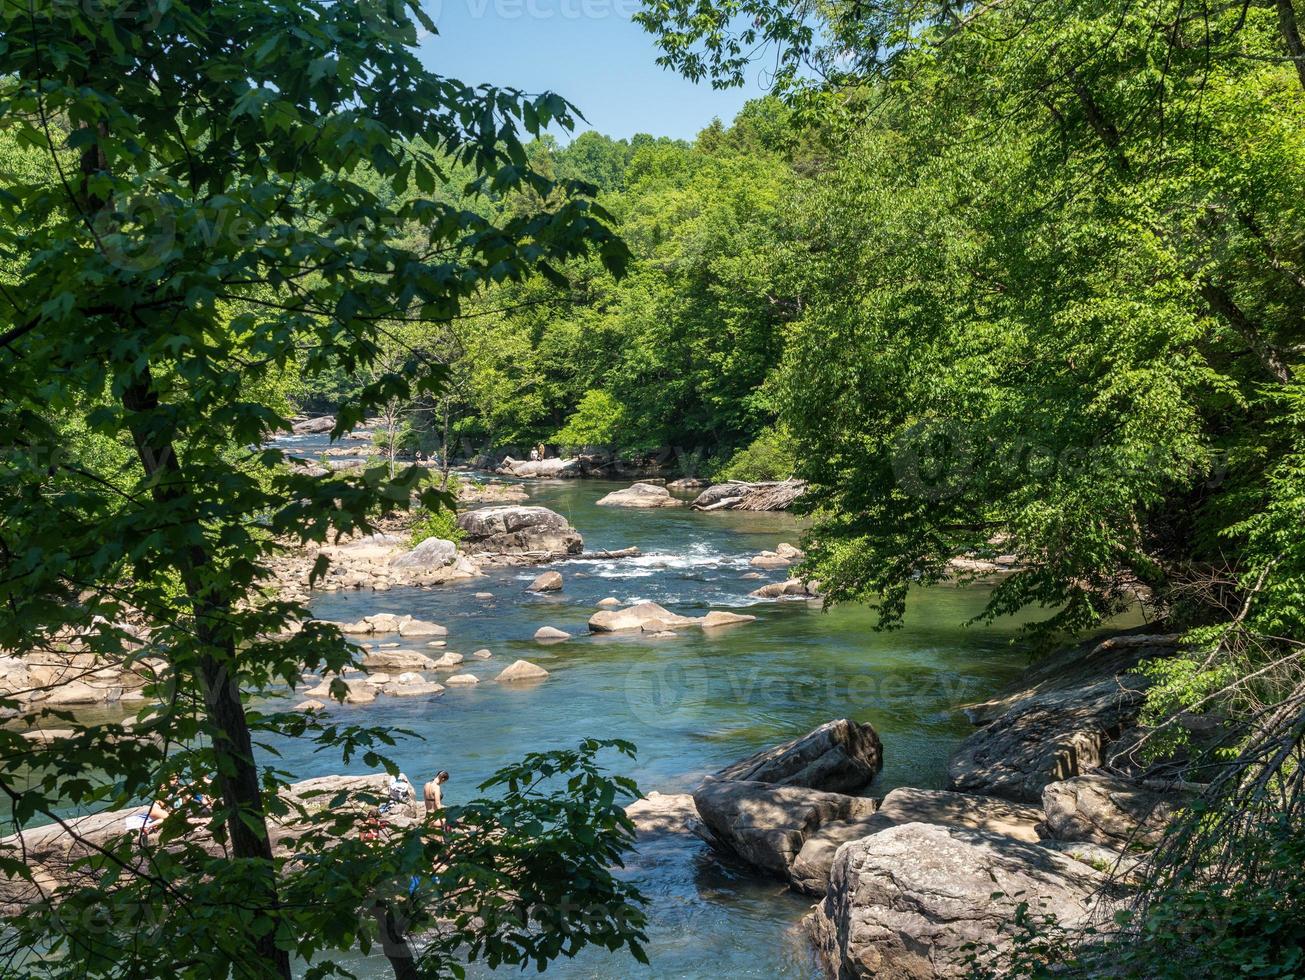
x=434, y=796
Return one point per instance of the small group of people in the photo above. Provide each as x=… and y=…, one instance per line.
x=173, y=797
x=538, y=453
x=401, y=793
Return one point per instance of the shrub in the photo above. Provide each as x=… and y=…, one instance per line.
x=768, y=457
x=442, y=523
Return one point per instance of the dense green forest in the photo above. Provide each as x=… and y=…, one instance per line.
x=672, y=358
x=1016, y=274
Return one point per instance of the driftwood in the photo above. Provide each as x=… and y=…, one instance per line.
x=737, y=495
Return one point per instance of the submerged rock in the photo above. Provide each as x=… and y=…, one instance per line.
x=717, y=618
x=461, y=680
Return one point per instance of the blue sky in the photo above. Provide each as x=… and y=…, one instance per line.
x=588, y=51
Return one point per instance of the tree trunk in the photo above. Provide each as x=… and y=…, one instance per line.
x=237, y=773
x=1222, y=303
x=1291, y=35
x=394, y=944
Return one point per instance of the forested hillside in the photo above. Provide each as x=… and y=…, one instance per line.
x=673, y=357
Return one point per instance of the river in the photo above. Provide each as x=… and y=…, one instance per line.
x=691, y=703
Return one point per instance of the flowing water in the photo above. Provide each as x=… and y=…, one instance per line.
x=691, y=703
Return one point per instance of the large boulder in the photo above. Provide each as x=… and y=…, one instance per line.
x=912, y=901
x=1111, y=810
x=430, y=553
x=638, y=616
x=543, y=468
x=641, y=495
x=811, y=868
x=840, y=756
x=546, y=582
x=515, y=530
x=323, y=423
x=1055, y=734
x=397, y=660
x=766, y=825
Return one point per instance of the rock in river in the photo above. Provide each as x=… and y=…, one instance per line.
x=641, y=495
x=522, y=670
x=520, y=531
x=840, y=756
x=430, y=553
x=637, y=617
x=810, y=870
x=400, y=660
x=766, y=825
x=550, y=634
x=907, y=902
x=546, y=582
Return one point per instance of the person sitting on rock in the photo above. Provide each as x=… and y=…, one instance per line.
x=400, y=793
x=434, y=797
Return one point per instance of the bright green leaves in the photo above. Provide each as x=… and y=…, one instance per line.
x=205, y=209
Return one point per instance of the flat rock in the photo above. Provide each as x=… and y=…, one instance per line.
x=448, y=661
x=659, y=814
x=521, y=670
x=906, y=903
x=641, y=495
x=482, y=654
x=840, y=756
x=421, y=627
x=717, y=618
x=310, y=704
x=546, y=582
x=1056, y=734
x=461, y=680
x=421, y=689
x=634, y=617
x=397, y=660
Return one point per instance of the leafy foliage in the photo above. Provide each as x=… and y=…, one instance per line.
x=205, y=207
